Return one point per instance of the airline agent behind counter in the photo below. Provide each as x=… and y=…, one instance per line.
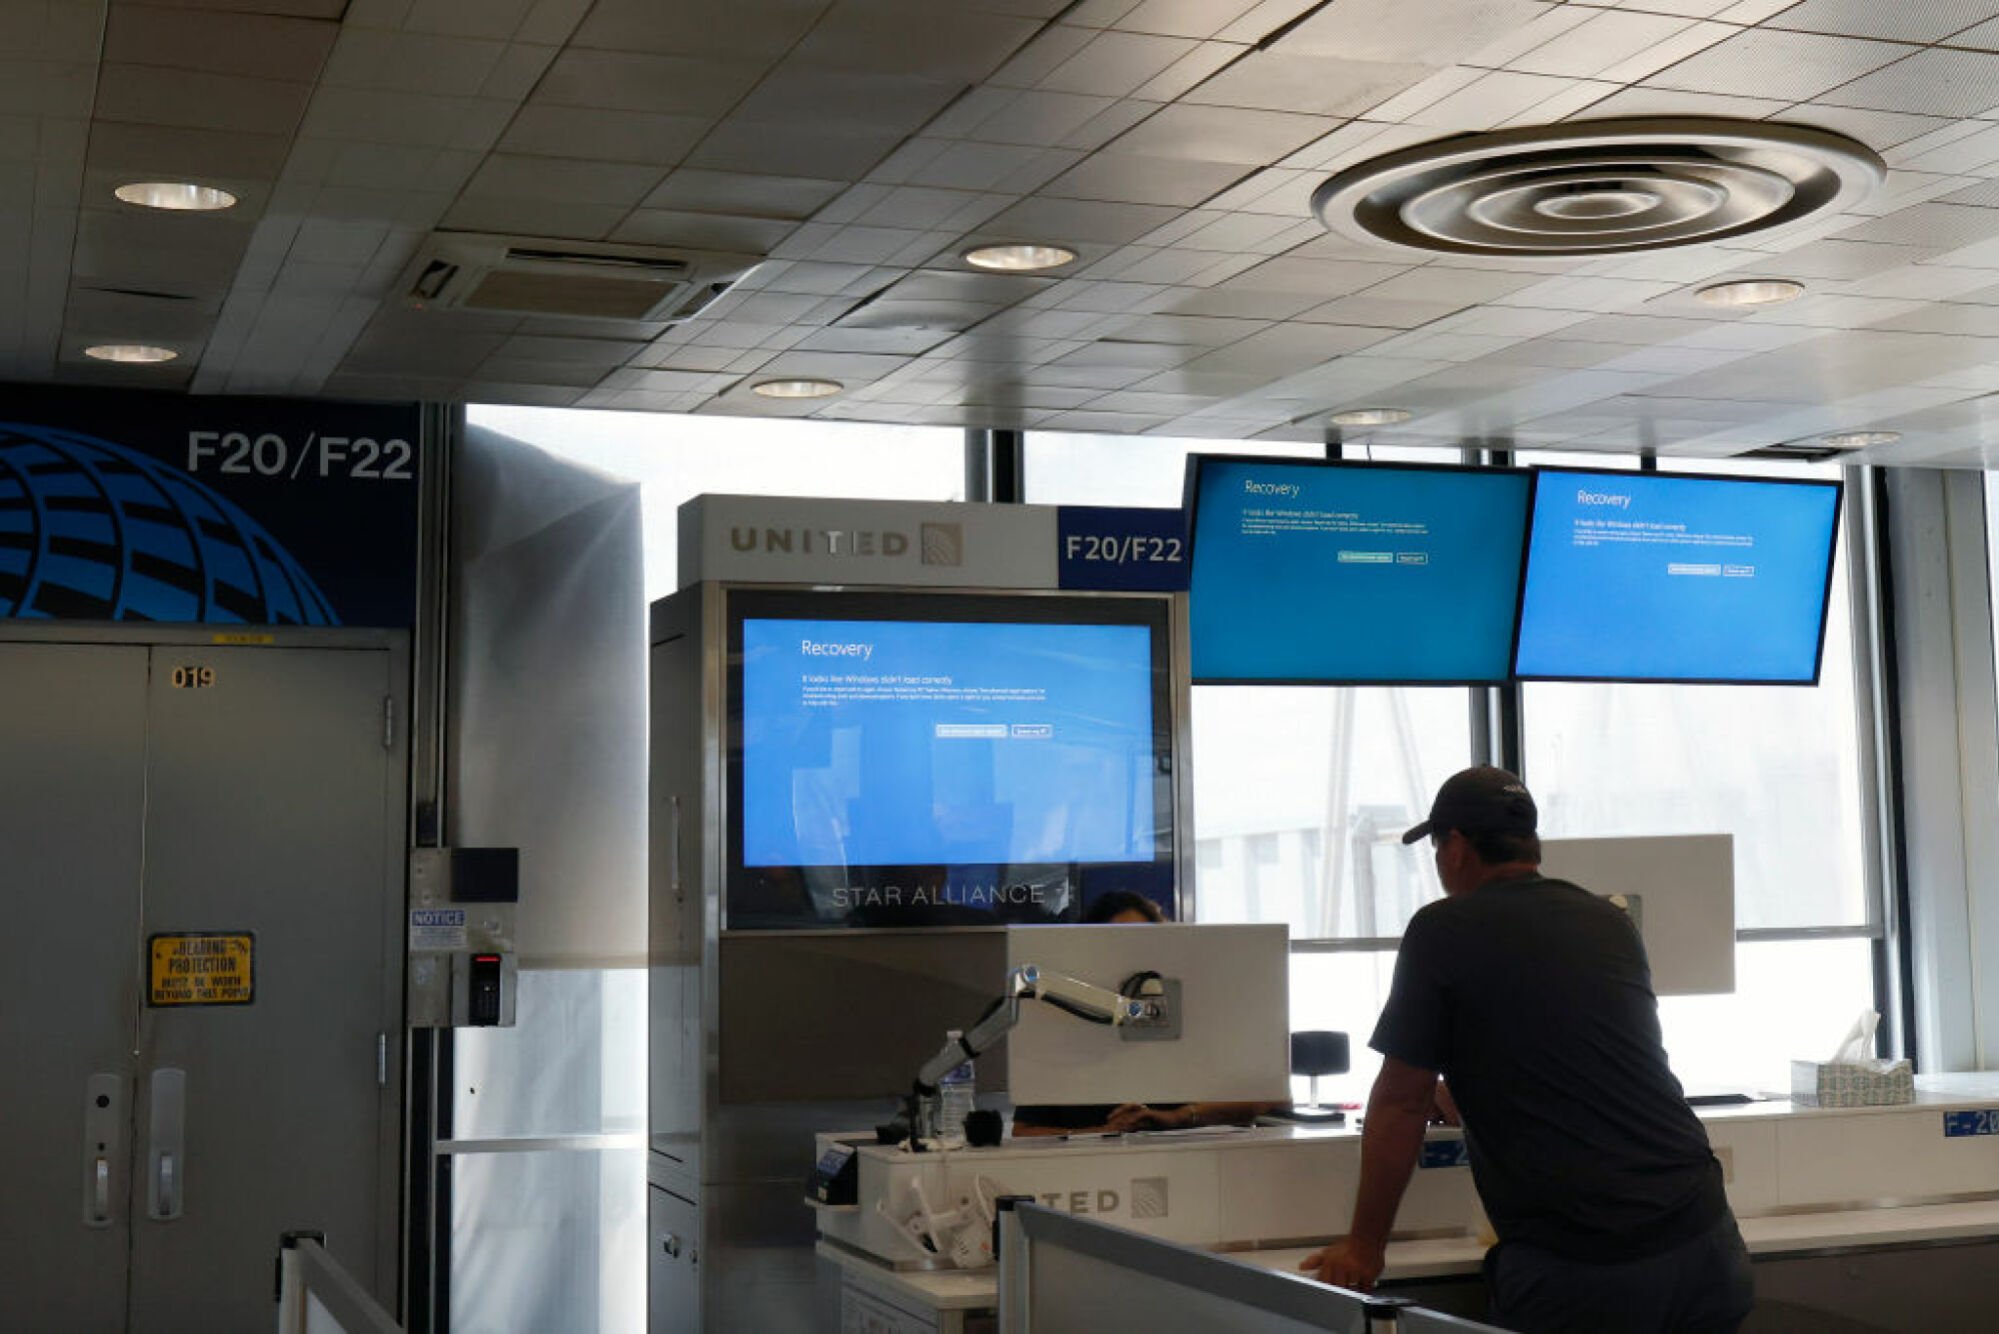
x=1118, y=908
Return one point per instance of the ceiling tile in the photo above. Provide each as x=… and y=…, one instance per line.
x=1185, y=18
x=1911, y=21
x=949, y=42
x=617, y=136
x=1789, y=65
x=461, y=18
x=1435, y=33
x=633, y=81
x=1934, y=82
x=148, y=95
x=1116, y=63
x=702, y=231
x=255, y=45
x=695, y=191
x=1320, y=85
x=579, y=182
x=1602, y=42
x=792, y=150
x=796, y=94
x=753, y=31
x=1223, y=134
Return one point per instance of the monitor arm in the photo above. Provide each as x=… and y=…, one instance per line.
x=1085, y=1000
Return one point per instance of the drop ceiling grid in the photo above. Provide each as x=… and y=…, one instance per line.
x=1174, y=277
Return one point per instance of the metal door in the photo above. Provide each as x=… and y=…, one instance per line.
x=153, y=1154
x=269, y=796
x=72, y=797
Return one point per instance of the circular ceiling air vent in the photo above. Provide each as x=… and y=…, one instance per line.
x=1598, y=187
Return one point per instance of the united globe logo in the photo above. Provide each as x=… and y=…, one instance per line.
x=92, y=530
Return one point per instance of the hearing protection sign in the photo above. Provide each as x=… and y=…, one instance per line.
x=202, y=968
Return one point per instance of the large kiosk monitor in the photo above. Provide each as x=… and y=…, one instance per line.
x=1321, y=572
x=914, y=758
x=1635, y=576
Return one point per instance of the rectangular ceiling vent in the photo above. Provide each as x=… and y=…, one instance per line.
x=1797, y=451
x=573, y=279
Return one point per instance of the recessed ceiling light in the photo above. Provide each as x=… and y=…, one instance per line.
x=1861, y=439
x=176, y=196
x=797, y=388
x=1751, y=292
x=140, y=353
x=1019, y=258
x=1371, y=417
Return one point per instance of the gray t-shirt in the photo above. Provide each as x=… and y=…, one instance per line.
x=1533, y=998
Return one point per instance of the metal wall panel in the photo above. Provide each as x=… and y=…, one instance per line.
x=72, y=794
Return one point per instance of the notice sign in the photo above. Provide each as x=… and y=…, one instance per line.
x=202, y=968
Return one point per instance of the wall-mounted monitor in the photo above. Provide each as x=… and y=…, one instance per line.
x=1316, y=572
x=916, y=758
x=1645, y=576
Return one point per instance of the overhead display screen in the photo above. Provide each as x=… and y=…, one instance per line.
x=1350, y=573
x=893, y=755
x=1672, y=577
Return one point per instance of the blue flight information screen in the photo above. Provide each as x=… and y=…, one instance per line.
x=1656, y=577
x=916, y=743
x=1320, y=572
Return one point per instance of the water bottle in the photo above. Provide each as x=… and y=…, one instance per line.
x=955, y=1099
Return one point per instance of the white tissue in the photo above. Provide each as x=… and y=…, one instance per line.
x=1857, y=1047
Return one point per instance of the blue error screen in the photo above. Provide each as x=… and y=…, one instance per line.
x=1647, y=576
x=1355, y=573
x=900, y=743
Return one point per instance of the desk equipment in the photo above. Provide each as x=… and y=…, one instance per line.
x=1318, y=1052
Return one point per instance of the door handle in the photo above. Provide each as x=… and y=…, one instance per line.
x=163, y=1189
x=166, y=1176
x=103, y=1144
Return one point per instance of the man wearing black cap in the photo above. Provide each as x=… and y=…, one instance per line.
x=1532, y=998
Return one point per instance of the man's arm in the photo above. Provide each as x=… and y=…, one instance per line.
x=1398, y=1108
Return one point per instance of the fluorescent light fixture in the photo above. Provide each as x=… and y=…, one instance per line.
x=1019, y=258
x=176, y=196
x=1371, y=417
x=1752, y=292
x=134, y=353
x=1861, y=439
x=797, y=388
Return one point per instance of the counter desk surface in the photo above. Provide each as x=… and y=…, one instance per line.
x=1844, y=1215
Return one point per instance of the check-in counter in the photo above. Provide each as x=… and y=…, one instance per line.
x=1872, y=1210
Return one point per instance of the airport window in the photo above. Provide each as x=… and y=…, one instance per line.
x=1777, y=767
x=1300, y=792
x=675, y=458
x=555, y=1238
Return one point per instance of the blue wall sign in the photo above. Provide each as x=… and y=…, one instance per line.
x=129, y=506
x=1128, y=550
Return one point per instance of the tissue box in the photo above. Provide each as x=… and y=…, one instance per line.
x=1840, y=1084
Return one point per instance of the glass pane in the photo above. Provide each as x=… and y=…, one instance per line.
x=1793, y=1000
x=1345, y=993
x=548, y=1241
x=1148, y=470
x=1776, y=766
x=1062, y=469
x=1301, y=796
x=677, y=458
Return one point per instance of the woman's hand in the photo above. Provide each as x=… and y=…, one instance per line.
x=1137, y=1116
